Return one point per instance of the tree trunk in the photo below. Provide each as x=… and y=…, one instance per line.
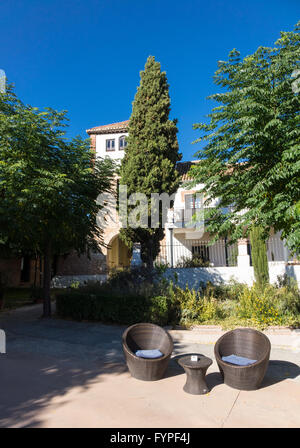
x=149, y=258
x=149, y=263
x=35, y=271
x=1, y=292
x=259, y=256
x=1, y=298
x=47, y=280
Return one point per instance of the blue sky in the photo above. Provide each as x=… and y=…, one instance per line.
x=85, y=55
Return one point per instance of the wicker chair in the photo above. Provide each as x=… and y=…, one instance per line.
x=248, y=343
x=146, y=336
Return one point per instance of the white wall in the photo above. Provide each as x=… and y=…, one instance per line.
x=194, y=276
x=179, y=197
x=65, y=281
x=101, y=146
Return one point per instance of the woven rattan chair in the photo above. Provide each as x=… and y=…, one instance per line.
x=248, y=343
x=146, y=336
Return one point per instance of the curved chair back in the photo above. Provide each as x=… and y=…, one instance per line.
x=248, y=343
x=147, y=336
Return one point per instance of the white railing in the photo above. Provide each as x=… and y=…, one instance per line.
x=197, y=253
x=192, y=253
x=277, y=251
x=185, y=218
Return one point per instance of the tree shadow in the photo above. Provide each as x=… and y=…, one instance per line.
x=29, y=382
x=194, y=277
x=47, y=358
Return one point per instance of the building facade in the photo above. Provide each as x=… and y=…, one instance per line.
x=186, y=244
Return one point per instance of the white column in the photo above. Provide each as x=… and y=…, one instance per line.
x=285, y=251
x=243, y=259
x=2, y=341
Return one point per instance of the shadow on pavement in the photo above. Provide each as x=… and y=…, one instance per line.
x=213, y=379
x=28, y=383
x=47, y=358
x=279, y=371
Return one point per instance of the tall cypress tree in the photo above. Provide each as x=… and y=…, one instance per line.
x=259, y=256
x=151, y=154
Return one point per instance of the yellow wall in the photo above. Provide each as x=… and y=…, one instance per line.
x=118, y=255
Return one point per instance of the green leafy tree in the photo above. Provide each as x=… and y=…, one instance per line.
x=48, y=186
x=151, y=155
x=259, y=256
x=250, y=156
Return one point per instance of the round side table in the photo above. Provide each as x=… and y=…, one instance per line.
x=195, y=373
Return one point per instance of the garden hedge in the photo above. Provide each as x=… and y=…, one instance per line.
x=110, y=308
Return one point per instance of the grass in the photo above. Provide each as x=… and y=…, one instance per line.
x=18, y=297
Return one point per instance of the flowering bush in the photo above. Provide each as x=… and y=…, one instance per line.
x=258, y=307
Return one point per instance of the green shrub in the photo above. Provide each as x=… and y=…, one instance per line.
x=100, y=307
x=230, y=291
x=129, y=279
x=259, y=256
x=158, y=311
x=272, y=306
x=165, y=303
x=196, y=308
x=196, y=261
x=258, y=307
x=121, y=309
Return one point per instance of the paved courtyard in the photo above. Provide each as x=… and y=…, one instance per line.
x=67, y=374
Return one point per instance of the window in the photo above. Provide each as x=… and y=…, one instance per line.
x=110, y=144
x=122, y=142
x=192, y=201
x=25, y=269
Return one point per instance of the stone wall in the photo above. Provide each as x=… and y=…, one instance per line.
x=10, y=269
x=70, y=265
x=73, y=264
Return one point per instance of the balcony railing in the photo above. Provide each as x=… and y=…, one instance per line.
x=185, y=218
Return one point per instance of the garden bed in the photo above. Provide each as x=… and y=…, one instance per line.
x=136, y=298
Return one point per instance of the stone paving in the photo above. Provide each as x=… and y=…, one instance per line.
x=59, y=373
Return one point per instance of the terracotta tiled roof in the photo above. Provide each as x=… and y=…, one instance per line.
x=122, y=126
x=183, y=169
